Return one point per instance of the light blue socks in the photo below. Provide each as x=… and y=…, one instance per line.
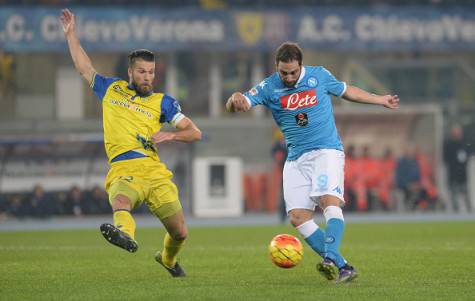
x=334, y=234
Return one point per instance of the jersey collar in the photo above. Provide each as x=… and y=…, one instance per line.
x=302, y=74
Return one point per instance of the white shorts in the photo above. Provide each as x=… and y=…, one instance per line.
x=316, y=173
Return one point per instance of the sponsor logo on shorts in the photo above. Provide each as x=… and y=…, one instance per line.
x=337, y=189
x=127, y=178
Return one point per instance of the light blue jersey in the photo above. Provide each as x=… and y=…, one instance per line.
x=303, y=113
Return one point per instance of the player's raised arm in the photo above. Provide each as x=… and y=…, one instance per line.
x=237, y=103
x=81, y=60
x=356, y=94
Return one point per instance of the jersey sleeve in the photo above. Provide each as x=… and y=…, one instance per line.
x=257, y=95
x=100, y=84
x=170, y=111
x=334, y=86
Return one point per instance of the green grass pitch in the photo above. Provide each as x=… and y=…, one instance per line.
x=407, y=261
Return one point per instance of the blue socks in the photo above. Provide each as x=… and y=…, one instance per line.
x=334, y=234
x=314, y=236
x=326, y=243
x=316, y=242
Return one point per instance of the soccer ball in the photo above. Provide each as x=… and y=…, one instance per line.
x=285, y=251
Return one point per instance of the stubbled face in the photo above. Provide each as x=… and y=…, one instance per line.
x=289, y=72
x=141, y=75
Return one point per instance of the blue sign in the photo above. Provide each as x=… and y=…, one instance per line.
x=27, y=29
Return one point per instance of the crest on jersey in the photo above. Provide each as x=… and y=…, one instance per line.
x=250, y=27
x=312, y=82
x=119, y=90
x=253, y=92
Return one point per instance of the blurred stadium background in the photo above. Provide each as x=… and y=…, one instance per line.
x=52, y=161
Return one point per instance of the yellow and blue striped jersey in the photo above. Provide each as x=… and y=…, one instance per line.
x=130, y=119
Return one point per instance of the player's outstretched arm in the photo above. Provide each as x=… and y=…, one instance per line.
x=187, y=132
x=356, y=94
x=81, y=60
x=237, y=103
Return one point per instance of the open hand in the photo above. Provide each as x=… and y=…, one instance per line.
x=68, y=20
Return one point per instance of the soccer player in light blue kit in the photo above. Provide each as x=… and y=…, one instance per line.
x=300, y=100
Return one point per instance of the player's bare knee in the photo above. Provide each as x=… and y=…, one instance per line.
x=329, y=200
x=179, y=234
x=295, y=222
x=297, y=219
x=300, y=216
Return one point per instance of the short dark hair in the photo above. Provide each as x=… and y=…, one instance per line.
x=288, y=52
x=141, y=54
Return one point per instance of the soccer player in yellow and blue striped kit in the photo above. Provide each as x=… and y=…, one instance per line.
x=132, y=117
